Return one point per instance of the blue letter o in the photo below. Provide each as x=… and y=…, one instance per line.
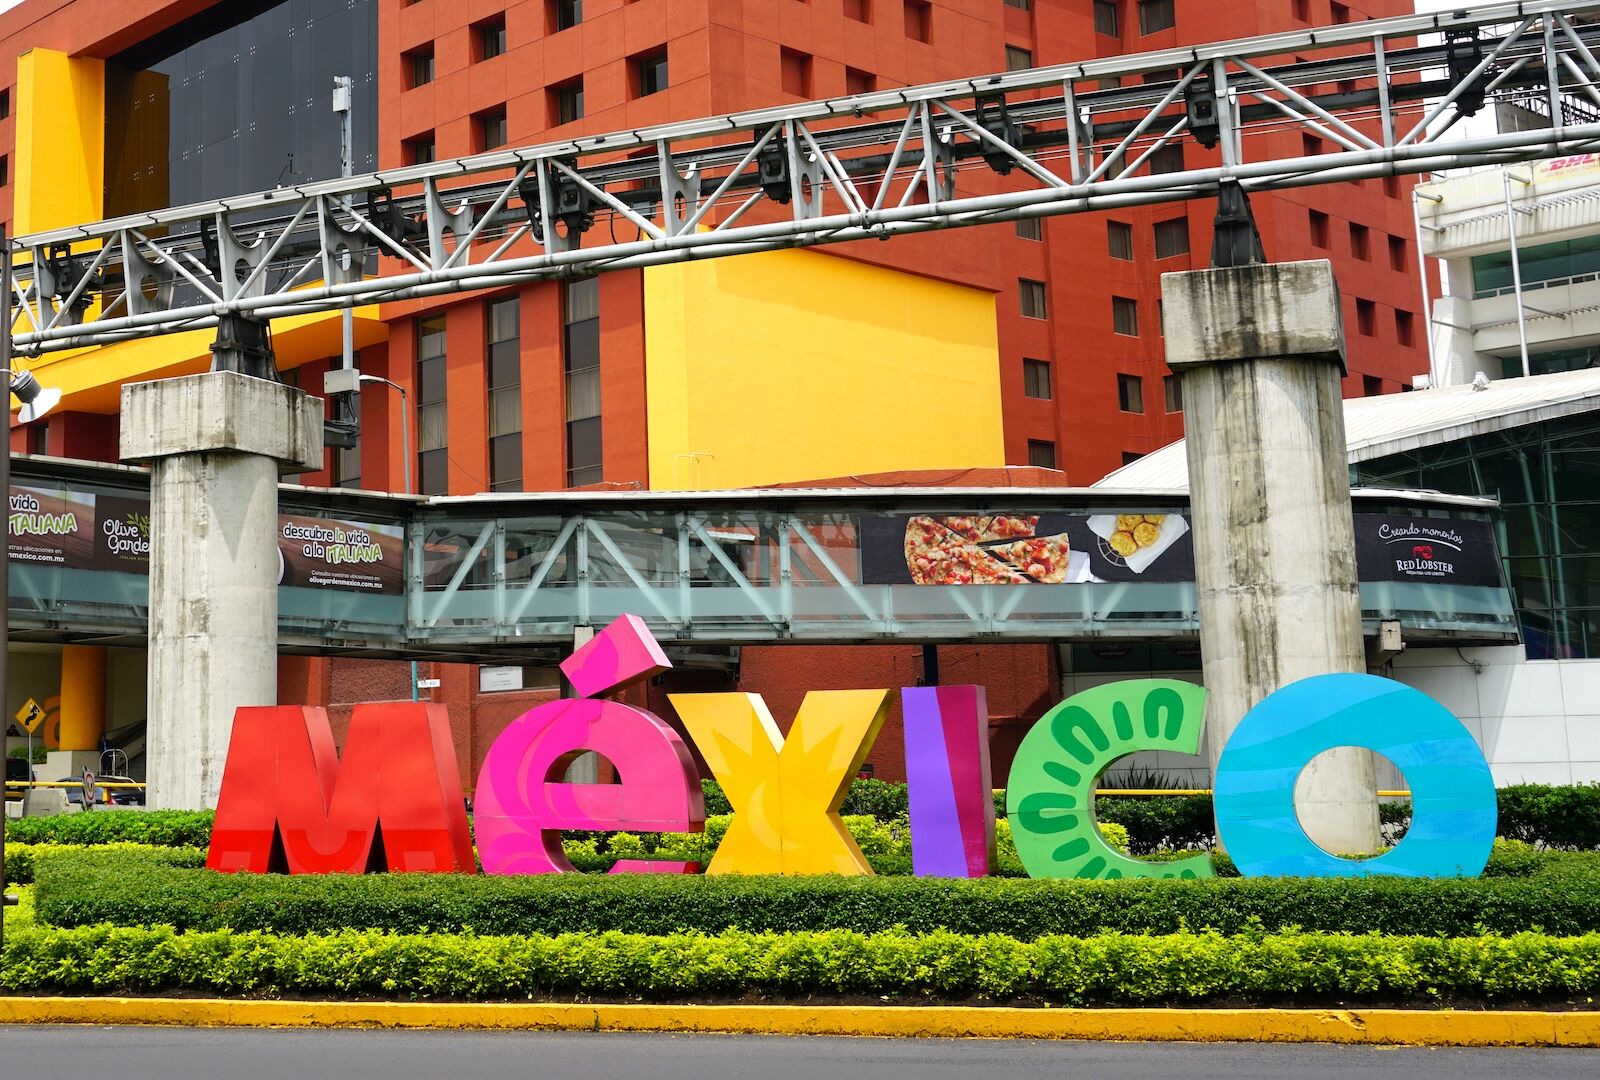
x=1453, y=812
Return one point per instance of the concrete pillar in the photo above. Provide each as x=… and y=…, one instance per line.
x=1260, y=350
x=216, y=444
x=83, y=697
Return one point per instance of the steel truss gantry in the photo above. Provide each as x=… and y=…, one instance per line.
x=1382, y=94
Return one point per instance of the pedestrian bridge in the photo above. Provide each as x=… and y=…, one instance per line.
x=504, y=575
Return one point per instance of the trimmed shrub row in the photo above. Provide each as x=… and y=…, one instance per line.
x=1111, y=968
x=133, y=888
x=165, y=828
x=21, y=858
x=1565, y=818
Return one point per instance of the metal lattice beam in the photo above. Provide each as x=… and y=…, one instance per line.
x=1024, y=144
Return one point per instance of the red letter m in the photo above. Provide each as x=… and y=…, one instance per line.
x=288, y=803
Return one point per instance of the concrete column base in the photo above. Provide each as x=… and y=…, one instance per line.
x=216, y=444
x=1260, y=350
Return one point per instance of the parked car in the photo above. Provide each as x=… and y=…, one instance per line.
x=17, y=771
x=112, y=796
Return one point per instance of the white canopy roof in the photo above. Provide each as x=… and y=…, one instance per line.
x=1394, y=423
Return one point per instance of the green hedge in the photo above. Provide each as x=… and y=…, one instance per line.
x=20, y=858
x=134, y=888
x=1564, y=818
x=1112, y=968
x=165, y=828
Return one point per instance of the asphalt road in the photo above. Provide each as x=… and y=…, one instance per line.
x=131, y=1053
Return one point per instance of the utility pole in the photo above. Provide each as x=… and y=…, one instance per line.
x=344, y=427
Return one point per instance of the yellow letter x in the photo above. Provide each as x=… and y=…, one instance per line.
x=785, y=794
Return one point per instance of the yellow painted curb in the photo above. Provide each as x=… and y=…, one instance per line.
x=1358, y=1026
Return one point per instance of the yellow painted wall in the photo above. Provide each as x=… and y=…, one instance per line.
x=59, y=166
x=795, y=365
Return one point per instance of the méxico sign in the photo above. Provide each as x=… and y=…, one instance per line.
x=394, y=801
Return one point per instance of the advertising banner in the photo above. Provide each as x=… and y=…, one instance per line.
x=1025, y=549
x=87, y=531
x=51, y=527
x=322, y=553
x=1443, y=551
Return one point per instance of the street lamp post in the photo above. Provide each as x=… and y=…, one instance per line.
x=346, y=380
x=405, y=456
x=36, y=401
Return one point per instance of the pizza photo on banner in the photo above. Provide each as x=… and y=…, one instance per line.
x=1025, y=549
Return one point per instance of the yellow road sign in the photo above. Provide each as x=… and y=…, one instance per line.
x=30, y=716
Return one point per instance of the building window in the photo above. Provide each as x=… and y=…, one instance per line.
x=1125, y=316
x=1032, y=297
x=39, y=438
x=1130, y=393
x=420, y=150
x=1319, y=229
x=1169, y=159
x=419, y=67
x=492, y=129
x=1030, y=228
x=1391, y=186
x=1397, y=253
x=1367, y=318
x=859, y=10
x=505, y=394
x=565, y=14
x=794, y=70
x=1036, y=379
x=1310, y=145
x=5, y=103
x=433, y=415
x=1130, y=456
x=1020, y=5
x=650, y=71
x=859, y=82
x=1018, y=58
x=1341, y=13
x=1403, y=327
x=919, y=20
x=1105, y=18
x=1360, y=241
x=1119, y=240
x=1172, y=238
x=1155, y=15
x=1302, y=10
x=566, y=103
x=1041, y=454
x=5, y=169
x=581, y=348
x=491, y=36
x=1371, y=386
x=1172, y=385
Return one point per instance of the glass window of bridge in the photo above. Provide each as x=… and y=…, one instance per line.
x=505, y=394
x=433, y=416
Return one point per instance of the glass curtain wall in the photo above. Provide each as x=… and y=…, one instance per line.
x=1547, y=477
